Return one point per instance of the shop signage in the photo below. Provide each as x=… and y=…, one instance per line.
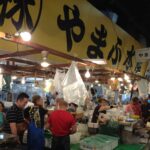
x=143, y=54
x=19, y=15
x=74, y=27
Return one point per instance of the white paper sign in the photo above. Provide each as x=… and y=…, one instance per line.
x=143, y=54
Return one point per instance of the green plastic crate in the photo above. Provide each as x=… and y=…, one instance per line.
x=130, y=147
x=75, y=146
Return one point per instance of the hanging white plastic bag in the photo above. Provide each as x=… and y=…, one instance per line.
x=74, y=90
x=58, y=79
x=143, y=87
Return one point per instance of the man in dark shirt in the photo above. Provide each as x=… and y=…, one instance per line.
x=14, y=117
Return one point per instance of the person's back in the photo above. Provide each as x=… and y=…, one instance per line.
x=62, y=124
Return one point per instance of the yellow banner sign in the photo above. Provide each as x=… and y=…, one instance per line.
x=74, y=27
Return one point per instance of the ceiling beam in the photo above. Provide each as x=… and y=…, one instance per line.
x=24, y=69
x=40, y=47
x=20, y=53
x=23, y=61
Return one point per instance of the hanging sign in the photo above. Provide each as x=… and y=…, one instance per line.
x=73, y=27
x=143, y=54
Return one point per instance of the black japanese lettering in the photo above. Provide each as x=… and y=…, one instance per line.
x=3, y=4
x=94, y=51
x=22, y=8
x=128, y=62
x=69, y=24
x=141, y=55
x=116, y=51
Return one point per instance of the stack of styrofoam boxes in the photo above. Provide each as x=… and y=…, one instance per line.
x=99, y=142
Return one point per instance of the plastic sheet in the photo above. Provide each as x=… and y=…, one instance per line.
x=58, y=79
x=74, y=89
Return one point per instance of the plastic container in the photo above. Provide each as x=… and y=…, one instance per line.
x=99, y=142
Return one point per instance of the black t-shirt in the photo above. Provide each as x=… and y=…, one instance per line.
x=145, y=111
x=35, y=114
x=13, y=115
x=96, y=113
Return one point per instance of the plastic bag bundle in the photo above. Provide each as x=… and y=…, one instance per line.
x=74, y=90
x=58, y=79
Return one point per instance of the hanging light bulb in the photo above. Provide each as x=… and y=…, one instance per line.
x=87, y=74
x=120, y=79
x=14, y=77
x=99, y=84
x=26, y=36
x=17, y=34
x=96, y=81
x=23, y=81
x=112, y=78
x=92, y=85
x=44, y=63
x=126, y=77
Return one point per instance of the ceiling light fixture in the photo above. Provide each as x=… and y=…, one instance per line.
x=44, y=63
x=126, y=77
x=96, y=81
x=14, y=77
x=112, y=78
x=87, y=74
x=23, y=81
x=26, y=36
